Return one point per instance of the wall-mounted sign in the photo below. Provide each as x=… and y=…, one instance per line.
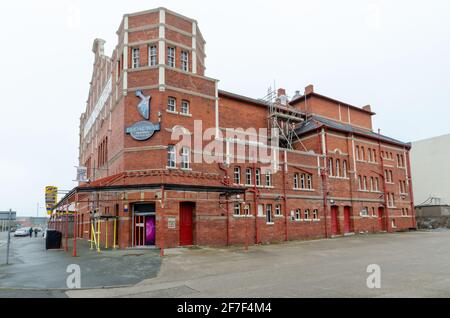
x=172, y=223
x=51, y=198
x=82, y=174
x=143, y=130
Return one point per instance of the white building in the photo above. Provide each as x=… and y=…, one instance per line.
x=430, y=164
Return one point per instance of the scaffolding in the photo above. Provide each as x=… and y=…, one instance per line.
x=282, y=119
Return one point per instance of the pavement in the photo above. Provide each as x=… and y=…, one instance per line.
x=33, y=269
x=414, y=264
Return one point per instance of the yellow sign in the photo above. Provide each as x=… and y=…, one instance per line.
x=51, y=198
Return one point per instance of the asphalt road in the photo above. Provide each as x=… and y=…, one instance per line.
x=412, y=265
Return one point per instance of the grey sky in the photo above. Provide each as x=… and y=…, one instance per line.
x=393, y=55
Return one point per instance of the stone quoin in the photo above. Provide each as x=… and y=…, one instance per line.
x=330, y=174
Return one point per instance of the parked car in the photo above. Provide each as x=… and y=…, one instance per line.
x=23, y=231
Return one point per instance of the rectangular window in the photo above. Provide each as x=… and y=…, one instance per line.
x=260, y=209
x=278, y=210
x=357, y=152
x=377, y=185
x=171, y=157
x=363, y=154
x=296, y=181
x=185, y=61
x=268, y=179
x=365, y=183
x=369, y=154
x=152, y=55
x=360, y=183
x=237, y=175
x=248, y=176
x=371, y=184
x=237, y=209
x=135, y=56
x=185, y=158
x=172, y=104
x=330, y=167
x=365, y=211
x=269, y=216
x=171, y=56
x=258, y=177
x=185, y=107
x=309, y=184
x=338, y=168
x=303, y=181
x=344, y=169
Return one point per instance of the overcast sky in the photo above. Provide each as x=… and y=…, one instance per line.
x=393, y=55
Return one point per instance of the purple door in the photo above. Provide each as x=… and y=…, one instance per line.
x=150, y=230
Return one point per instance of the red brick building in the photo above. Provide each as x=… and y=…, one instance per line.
x=328, y=173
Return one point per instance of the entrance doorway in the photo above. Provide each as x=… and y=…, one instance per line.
x=348, y=222
x=335, y=230
x=144, y=225
x=186, y=223
x=381, y=219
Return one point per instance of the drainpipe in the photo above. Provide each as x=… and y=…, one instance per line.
x=324, y=177
x=226, y=182
x=286, y=235
x=383, y=176
x=162, y=221
x=411, y=194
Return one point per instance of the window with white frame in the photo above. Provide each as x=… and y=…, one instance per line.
x=330, y=167
x=360, y=183
x=152, y=55
x=237, y=209
x=172, y=104
x=363, y=154
x=237, y=175
x=258, y=177
x=309, y=184
x=374, y=155
x=315, y=214
x=357, y=152
x=247, y=210
x=278, y=210
x=307, y=214
x=260, y=209
x=371, y=184
x=296, y=181
x=185, y=158
x=344, y=169
x=248, y=176
x=171, y=156
x=298, y=214
x=269, y=216
x=377, y=184
x=338, y=168
x=369, y=154
x=364, y=211
x=365, y=183
x=185, y=107
x=185, y=61
x=374, y=212
x=303, y=181
x=171, y=56
x=268, y=179
x=135, y=57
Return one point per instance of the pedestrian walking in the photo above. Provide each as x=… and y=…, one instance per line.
x=31, y=232
x=35, y=232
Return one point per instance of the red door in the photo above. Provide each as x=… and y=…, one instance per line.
x=186, y=224
x=347, y=220
x=334, y=220
x=381, y=219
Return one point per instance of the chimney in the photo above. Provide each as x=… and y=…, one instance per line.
x=367, y=108
x=281, y=92
x=309, y=89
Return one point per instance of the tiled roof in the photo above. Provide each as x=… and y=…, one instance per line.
x=316, y=122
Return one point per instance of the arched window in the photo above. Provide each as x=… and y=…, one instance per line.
x=330, y=166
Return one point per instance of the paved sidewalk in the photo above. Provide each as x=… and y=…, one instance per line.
x=35, y=268
x=412, y=265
